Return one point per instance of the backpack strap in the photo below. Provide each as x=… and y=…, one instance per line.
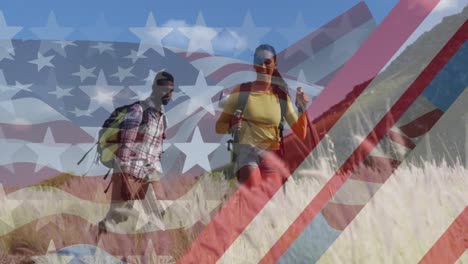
x=282, y=95
x=283, y=101
x=164, y=119
x=244, y=93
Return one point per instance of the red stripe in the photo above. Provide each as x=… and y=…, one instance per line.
x=356, y=16
x=23, y=174
x=372, y=169
x=195, y=55
x=452, y=244
x=375, y=169
x=363, y=66
x=63, y=132
x=325, y=80
x=374, y=137
x=339, y=216
x=323, y=37
x=422, y=124
x=227, y=70
x=79, y=231
x=206, y=124
x=403, y=140
x=173, y=187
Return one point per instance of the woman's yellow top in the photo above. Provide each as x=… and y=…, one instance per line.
x=260, y=119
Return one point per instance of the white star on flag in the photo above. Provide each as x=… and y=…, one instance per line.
x=306, y=86
x=339, y=51
x=295, y=33
x=7, y=33
x=151, y=74
x=13, y=147
x=200, y=95
x=143, y=91
x=42, y=61
x=151, y=35
x=123, y=73
x=101, y=94
x=8, y=206
x=65, y=43
x=61, y=92
x=150, y=256
x=152, y=217
x=48, y=152
x=101, y=30
x=197, y=145
x=134, y=56
x=103, y=47
x=78, y=112
x=22, y=87
x=200, y=36
x=56, y=220
x=85, y=73
x=6, y=91
x=52, y=31
x=51, y=257
x=57, y=46
x=99, y=256
x=250, y=32
x=6, y=50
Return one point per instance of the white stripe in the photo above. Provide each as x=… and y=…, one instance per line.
x=268, y=225
x=421, y=107
x=30, y=203
x=405, y=218
x=211, y=64
x=355, y=192
x=414, y=207
x=92, y=131
x=466, y=137
x=28, y=111
x=449, y=128
x=334, y=55
x=51, y=156
x=387, y=148
x=238, y=77
x=463, y=259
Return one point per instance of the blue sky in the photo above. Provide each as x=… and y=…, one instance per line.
x=218, y=13
x=116, y=17
x=108, y=20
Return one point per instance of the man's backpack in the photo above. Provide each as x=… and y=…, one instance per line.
x=108, y=137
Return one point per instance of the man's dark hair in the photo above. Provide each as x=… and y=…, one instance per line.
x=162, y=78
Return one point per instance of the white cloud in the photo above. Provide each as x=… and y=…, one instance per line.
x=230, y=42
x=224, y=43
x=449, y=5
x=443, y=9
x=175, y=23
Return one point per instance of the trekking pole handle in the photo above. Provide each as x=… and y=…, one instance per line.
x=236, y=122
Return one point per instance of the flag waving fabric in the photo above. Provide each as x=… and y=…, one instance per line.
x=379, y=177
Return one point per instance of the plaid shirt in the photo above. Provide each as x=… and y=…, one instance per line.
x=141, y=140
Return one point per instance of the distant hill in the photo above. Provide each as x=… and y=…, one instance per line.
x=450, y=81
x=407, y=63
x=411, y=57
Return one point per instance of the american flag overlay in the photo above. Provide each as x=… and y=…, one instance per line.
x=381, y=177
